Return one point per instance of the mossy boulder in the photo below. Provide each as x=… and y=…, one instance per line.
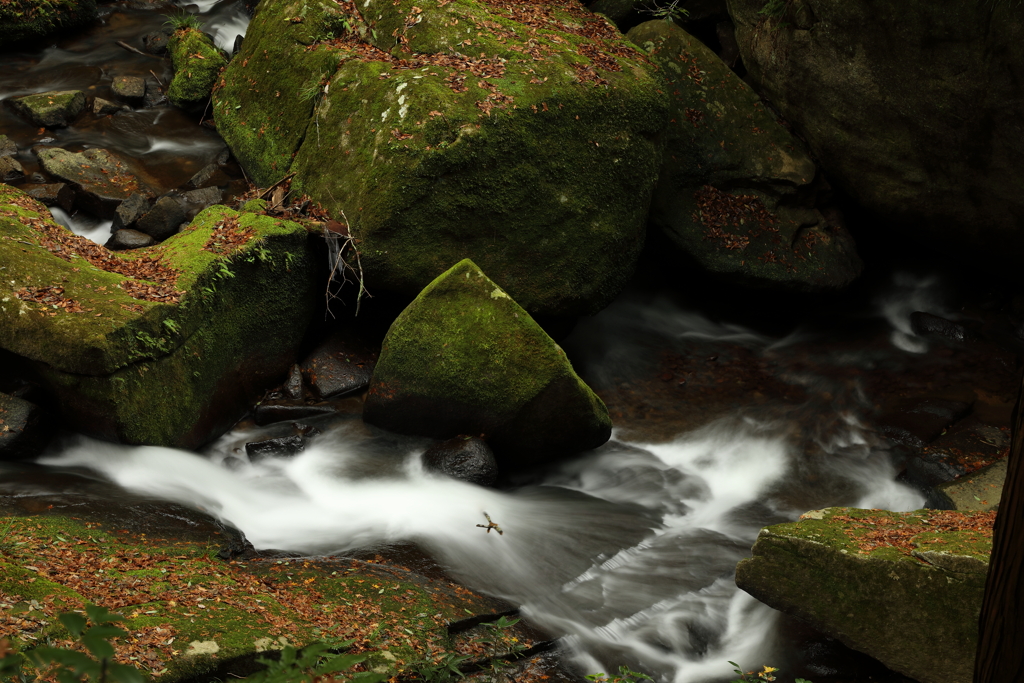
x=449, y=130
x=23, y=20
x=464, y=358
x=906, y=588
x=737, y=191
x=55, y=109
x=912, y=109
x=197, y=63
x=166, y=345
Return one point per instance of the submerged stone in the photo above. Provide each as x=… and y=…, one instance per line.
x=197, y=63
x=903, y=587
x=468, y=458
x=464, y=358
x=738, y=192
x=50, y=109
x=168, y=346
x=102, y=179
x=532, y=150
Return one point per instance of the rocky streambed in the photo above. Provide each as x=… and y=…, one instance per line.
x=380, y=341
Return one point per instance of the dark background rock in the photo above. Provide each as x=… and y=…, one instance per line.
x=130, y=210
x=23, y=430
x=922, y=421
x=269, y=413
x=8, y=148
x=52, y=194
x=341, y=365
x=211, y=174
x=926, y=324
x=468, y=458
x=155, y=42
x=127, y=238
x=293, y=385
x=165, y=217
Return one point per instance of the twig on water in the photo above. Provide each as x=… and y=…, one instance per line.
x=128, y=47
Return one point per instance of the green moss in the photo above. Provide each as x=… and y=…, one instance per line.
x=542, y=178
x=464, y=358
x=22, y=20
x=168, y=374
x=197, y=64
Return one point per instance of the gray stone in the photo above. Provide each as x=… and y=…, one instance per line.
x=52, y=194
x=102, y=107
x=10, y=170
x=54, y=109
x=465, y=457
x=916, y=610
x=23, y=432
x=128, y=239
x=339, y=366
x=737, y=192
x=209, y=175
x=981, y=490
x=130, y=210
x=164, y=218
x=129, y=88
x=7, y=147
x=202, y=198
x=102, y=179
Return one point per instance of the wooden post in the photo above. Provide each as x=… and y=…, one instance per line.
x=1000, y=655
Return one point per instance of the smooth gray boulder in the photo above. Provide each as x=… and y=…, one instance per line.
x=905, y=588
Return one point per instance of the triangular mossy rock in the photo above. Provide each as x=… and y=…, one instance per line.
x=464, y=358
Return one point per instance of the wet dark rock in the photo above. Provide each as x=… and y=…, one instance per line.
x=224, y=157
x=102, y=107
x=102, y=179
x=131, y=89
x=23, y=432
x=237, y=44
x=155, y=42
x=10, y=170
x=202, y=198
x=55, y=109
x=7, y=147
x=128, y=239
x=155, y=95
x=38, y=178
x=468, y=458
x=922, y=422
x=209, y=175
x=52, y=194
x=130, y=210
x=341, y=365
x=293, y=385
x=964, y=448
x=926, y=324
x=164, y=218
x=282, y=445
x=265, y=414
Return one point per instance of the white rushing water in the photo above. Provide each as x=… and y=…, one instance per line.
x=628, y=551
x=910, y=293
x=89, y=227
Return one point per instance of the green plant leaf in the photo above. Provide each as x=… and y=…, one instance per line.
x=74, y=622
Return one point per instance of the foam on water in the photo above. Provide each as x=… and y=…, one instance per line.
x=910, y=293
x=89, y=227
x=628, y=551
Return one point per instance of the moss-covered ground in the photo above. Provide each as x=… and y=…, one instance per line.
x=22, y=20
x=188, y=611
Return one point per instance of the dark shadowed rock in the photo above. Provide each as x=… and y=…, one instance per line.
x=957, y=453
x=165, y=217
x=10, y=170
x=922, y=422
x=464, y=358
x=23, y=432
x=102, y=179
x=50, y=109
x=155, y=95
x=102, y=107
x=292, y=387
x=131, y=89
x=129, y=239
x=130, y=210
x=200, y=199
x=927, y=324
x=7, y=147
x=265, y=414
x=211, y=174
x=52, y=194
x=340, y=365
x=155, y=42
x=281, y=445
x=465, y=457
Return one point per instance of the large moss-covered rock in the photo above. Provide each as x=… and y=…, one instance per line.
x=22, y=20
x=737, y=191
x=55, y=109
x=197, y=63
x=518, y=134
x=464, y=358
x=913, y=108
x=906, y=588
x=165, y=345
